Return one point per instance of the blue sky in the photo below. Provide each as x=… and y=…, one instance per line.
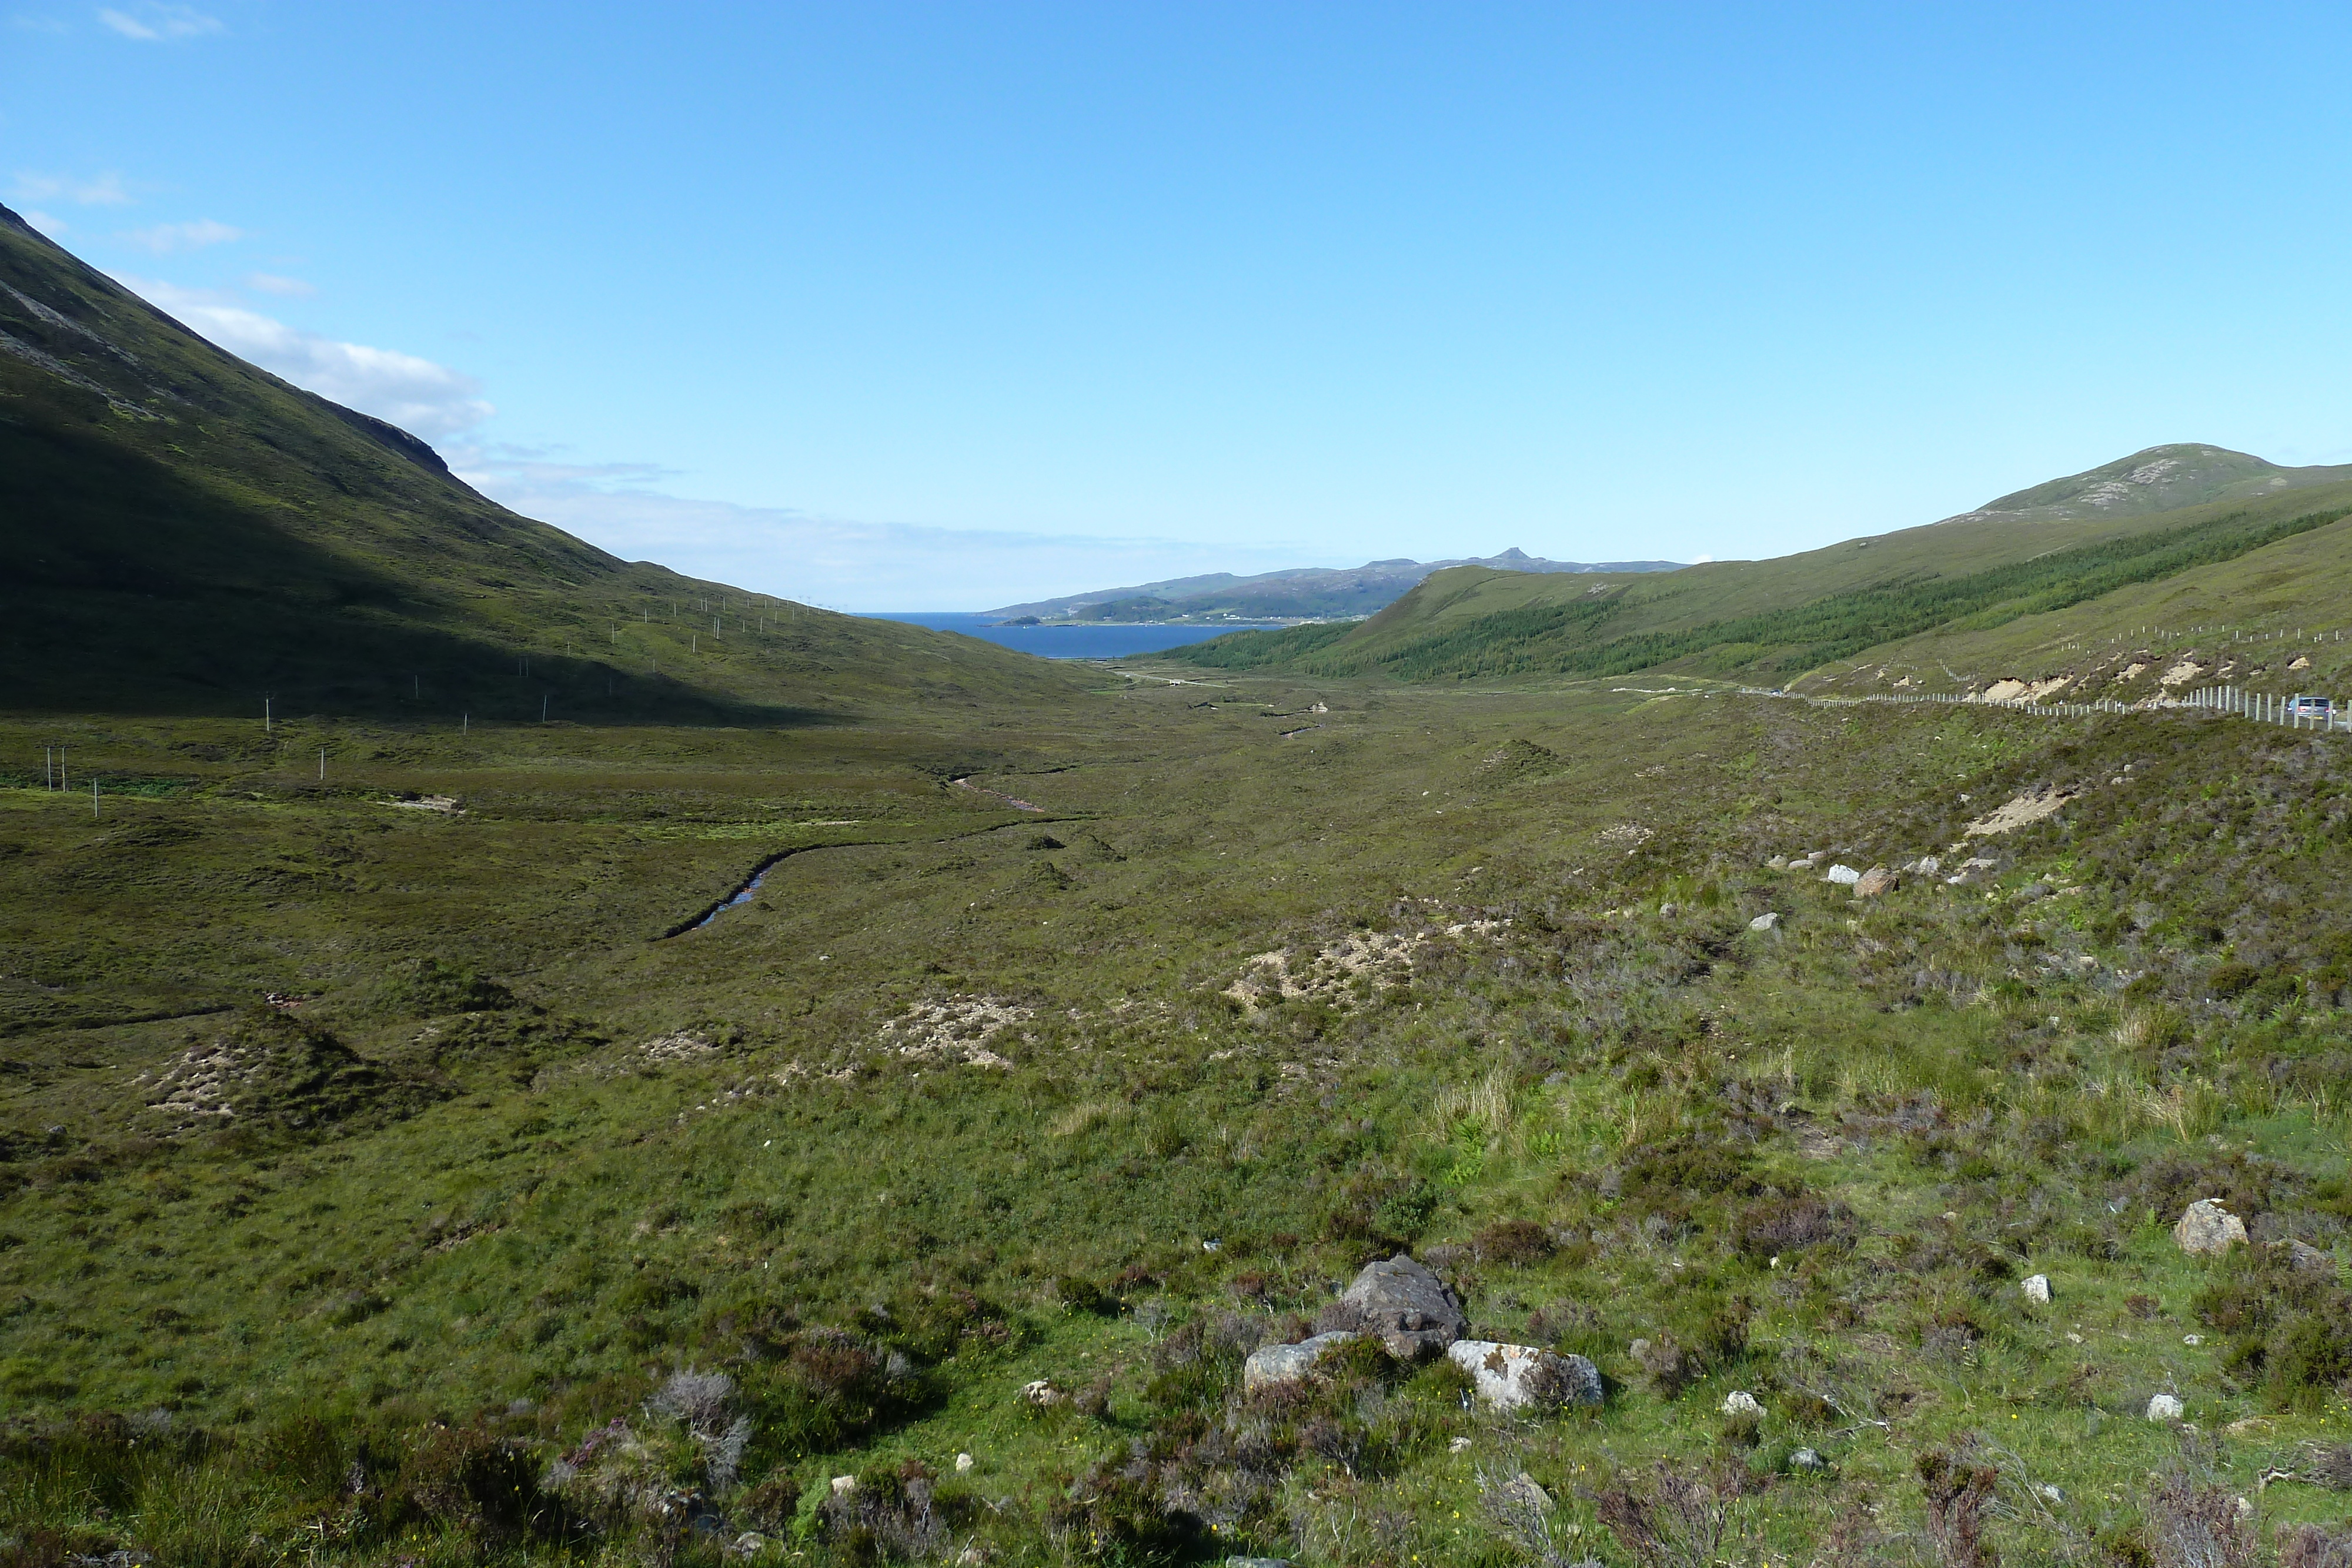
x=941, y=307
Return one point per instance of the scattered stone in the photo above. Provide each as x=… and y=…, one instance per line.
x=844, y=1485
x=1459, y=1445
x=2050, y=1494
x=2305, y=1259
x=1522, y=1489
x=1777, y=862
x=963, y=1464
x=1409, y=1308
x=1041, y=1393
x=1766, y=921
x=1807, y=1460
x=1739, y=1401
x=1668, y=910
x=2037, y=1289
x=1843, y=874
x=1513, y=1376
x=1875, y=882
x=1258, y=1563
x=1275, y=1364
x=2192, y=1340
x=2164, y=1408
x=2208, y=1230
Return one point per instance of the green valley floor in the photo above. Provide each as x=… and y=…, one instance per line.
x=401, y=1163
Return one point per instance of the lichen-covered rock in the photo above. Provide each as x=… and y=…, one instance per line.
x=1873, y=882
x=1517, y=1376
x=2037, y=1289
x=1766, y=921
x=1408, y=1308
x=1273, y=1364
x=2164, y=1408
x=1739, y=1401
x=2208, y=1230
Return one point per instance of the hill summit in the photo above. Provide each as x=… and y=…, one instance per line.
x=2157, y=480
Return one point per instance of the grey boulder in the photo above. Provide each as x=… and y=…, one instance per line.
x=2206, y=1229
x=1274, y=1363
x=1406, y=1306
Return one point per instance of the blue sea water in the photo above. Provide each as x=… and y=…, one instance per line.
x=1065, y=642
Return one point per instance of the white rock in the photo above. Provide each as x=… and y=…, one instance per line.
x=963, y=1463
x=1766, y=921
x=2037, y=1289
x=844, y=1485
x=2206, y=1230
x=1512, y=1376
x=1844, y=876
x=1273, y=1364
x=1041, y=1393
x=1807, y=1460
x=2164, y=1408
x=1739, y=1401
x=1459, y=1445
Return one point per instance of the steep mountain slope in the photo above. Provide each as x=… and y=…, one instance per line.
x=1300, y=591
x=1778, y=618
x=186, y=532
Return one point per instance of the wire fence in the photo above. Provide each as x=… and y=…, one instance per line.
x=2300, y=711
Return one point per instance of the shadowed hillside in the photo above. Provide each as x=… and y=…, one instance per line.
x=188, y=533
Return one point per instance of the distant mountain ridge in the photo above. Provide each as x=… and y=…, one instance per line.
x=2119, y=551
x=1300, y=594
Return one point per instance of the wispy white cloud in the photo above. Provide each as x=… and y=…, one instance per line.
x=165, y=238
x=155, y=22
x=25, y=23
x=828, y=561
x=97, y=191
x=272, y=283
x=421, y=397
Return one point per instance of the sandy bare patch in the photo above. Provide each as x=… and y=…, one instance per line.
x=2028, y=807
x=678, y=1048
x=199, y=1083
x=2182, y=674
x=959, y=1028
x=446, y=804
x=1330, y=973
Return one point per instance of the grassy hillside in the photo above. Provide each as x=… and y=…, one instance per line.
x=970, y=1096
x=1778, y=619
x=188, y=533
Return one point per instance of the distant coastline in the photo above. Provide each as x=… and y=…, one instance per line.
x=1059, y=639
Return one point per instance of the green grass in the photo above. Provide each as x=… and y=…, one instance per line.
x=519, y=1202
